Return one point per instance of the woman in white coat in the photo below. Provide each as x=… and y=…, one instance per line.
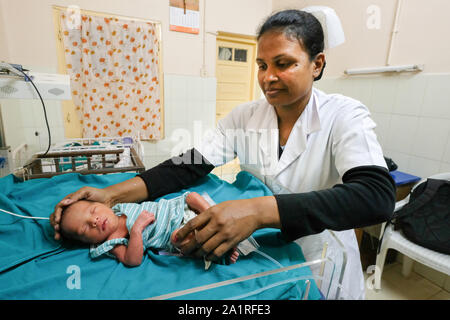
x=318, y=153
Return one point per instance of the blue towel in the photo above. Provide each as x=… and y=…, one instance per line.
x=35, y=266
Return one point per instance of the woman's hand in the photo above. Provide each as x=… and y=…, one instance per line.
x=85, y=193
x=223, y=226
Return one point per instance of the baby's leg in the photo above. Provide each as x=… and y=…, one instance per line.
x=196, y=202
x=233, y=254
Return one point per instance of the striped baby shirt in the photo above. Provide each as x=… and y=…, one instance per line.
x=169, y=215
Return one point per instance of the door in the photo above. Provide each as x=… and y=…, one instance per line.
x=235, y=72
x=236, y=81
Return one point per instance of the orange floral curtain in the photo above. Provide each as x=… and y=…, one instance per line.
x=114, y=70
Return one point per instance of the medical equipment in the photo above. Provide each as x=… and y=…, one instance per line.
x=20, y=74
x=307, y=280
x=25, y=217
x=86, y=156
x=17, y=83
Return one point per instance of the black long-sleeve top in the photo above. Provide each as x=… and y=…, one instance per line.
x=366, y=196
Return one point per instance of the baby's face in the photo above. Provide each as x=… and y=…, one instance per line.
x=89, y=222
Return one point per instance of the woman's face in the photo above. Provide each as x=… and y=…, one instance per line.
x=285, y=72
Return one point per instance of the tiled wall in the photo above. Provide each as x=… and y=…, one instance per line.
x=24, y=123
x=190, y=109
x=412, y=113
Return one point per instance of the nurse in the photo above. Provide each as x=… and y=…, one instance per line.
x=317, y=152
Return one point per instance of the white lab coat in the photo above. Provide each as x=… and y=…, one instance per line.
x=333, y=134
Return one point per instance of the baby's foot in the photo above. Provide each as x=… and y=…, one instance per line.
x=234, y=255
x=196, y=202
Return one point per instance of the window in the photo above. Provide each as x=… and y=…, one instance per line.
x=225, y=53
x=240, y=55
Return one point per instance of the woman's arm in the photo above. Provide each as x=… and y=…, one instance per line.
x=175, y=174
x=132, y=190
x=366, y=197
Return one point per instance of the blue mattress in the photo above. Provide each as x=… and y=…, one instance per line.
x=35, y=266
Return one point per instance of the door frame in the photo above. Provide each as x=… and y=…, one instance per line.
x=248, y=40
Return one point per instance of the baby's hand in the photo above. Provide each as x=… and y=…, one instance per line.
x=144, y=219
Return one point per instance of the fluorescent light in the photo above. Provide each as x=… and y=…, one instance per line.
x=405, y=68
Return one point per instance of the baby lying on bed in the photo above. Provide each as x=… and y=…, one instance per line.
x=127, y=230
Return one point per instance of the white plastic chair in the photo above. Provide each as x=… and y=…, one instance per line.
x=394, y=239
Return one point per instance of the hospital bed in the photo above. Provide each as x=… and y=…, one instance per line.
x=35, y=266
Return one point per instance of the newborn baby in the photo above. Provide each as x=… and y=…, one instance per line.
x=127, y=230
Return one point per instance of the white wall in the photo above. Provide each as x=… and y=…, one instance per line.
x=420, y=39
